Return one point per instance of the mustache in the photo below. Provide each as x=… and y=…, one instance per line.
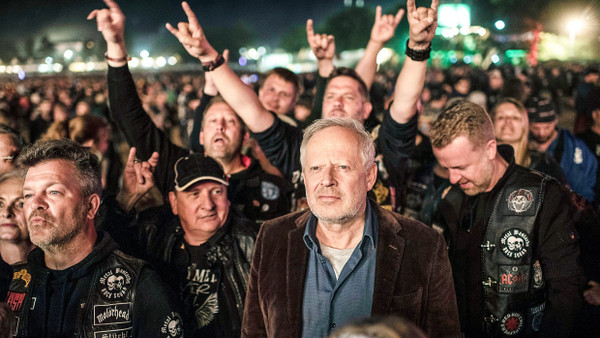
x=42, y=214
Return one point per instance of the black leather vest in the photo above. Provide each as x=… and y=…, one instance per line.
x=108, y=310
x=513, y=284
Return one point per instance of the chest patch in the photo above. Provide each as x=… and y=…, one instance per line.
x=124, y=333
x=520, y=200
x=513, y=278
x=172, y=326
x=511, y=324
x=119, y=313
x=269, y=191
x=114, y=283
x=515, y=243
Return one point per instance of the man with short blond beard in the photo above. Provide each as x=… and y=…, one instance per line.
x=511, y=236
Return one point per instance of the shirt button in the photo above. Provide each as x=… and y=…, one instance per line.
x=323, y=261
x=332, y=325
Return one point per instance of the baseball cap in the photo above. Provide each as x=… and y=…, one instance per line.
x=195, y=168
x=540, y=110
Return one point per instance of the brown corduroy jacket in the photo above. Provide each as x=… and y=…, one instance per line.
x=413, y=278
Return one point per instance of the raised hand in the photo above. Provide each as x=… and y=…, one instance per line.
x=192, y=37
x=137, y=179
x=322, y=45
x=422, y=22
x=110, y=21
x=385, y=26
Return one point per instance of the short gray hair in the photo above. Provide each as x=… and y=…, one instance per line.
x=365, y=142
x=86, y=163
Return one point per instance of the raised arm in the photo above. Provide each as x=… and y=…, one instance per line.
x=422, y=23
x=237, y=94
x=111, y=23
x=137, y=180
x=323, y=46
x=383, y=31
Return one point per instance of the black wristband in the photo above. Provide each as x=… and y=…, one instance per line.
x=418, y=54
x=210, y=66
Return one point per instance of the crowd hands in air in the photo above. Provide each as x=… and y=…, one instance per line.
x=191, y=165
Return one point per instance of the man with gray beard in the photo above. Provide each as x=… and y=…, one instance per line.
x=77, y=282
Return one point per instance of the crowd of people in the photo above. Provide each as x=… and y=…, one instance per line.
x=425, y=202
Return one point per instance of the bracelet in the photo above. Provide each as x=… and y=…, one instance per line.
x=418, y=54
x=214, y=64
x=123, y=59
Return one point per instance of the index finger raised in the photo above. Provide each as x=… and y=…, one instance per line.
x=434, y=4
x=131, y=157
x=113, y=6
x=310, y=31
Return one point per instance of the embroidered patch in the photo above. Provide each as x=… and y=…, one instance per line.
x=172, y=325
x=269, y=191
x=119, y=313
x=115, y=283
x=513, y=278
x=122, y=333
x=511, y=324
x=538, y=277
x=22, y=275
x=15, y=300
x=578, y=156
x=514, y=243
x=538, y=314
x=520, y=200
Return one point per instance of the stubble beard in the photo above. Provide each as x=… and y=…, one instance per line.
x=58, y=239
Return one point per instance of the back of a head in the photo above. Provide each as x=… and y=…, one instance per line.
x=85, y=128
x=85, y=161
x=465, y=119
x=386, y=327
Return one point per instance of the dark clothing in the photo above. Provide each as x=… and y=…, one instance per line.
x=592, y=140
x=546, y=164
x=254, y=192
x=465, y=220
x=106, y=291
x=5, y=277
x=393, y=141
x=210, y=279
x=412, y=277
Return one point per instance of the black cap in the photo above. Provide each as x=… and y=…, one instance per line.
x=540, y=110
x=195, y=168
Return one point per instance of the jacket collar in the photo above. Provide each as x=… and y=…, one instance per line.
x=390, y=249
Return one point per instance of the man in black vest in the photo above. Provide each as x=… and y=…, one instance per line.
x=77, y=283
x=513, y=247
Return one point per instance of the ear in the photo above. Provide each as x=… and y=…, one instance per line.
x=490, y=149
x=245, y=137
x=173, y=202
x=93, y=206
x=201, y=136
x=371, y=176
x=366, y=109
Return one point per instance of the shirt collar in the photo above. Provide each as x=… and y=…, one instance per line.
x=369, y=232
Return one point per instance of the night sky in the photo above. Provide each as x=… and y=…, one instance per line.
x=64, y=20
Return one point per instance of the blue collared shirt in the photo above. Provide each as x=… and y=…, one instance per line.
x=328, y=301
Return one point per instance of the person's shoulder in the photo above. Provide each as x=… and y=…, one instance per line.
x=282, y=225
x=391, y=221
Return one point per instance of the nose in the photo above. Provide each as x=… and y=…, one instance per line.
x=7, y=212
x=454, y=176
x=206, y=201
x=328, y=179
x=38, y=202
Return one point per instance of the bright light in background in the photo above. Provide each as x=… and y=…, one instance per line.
x=261, y=50
x=161, y=61
x=500, y=25
x=495, y=58
x=384, y=55
x=57, y=67
x=48, y=60
x=147, y=62
x=68, y=54
x=253, y=54
x=144, y=53
x=134, y=63
x=575, y=26
x=454, y=15
x=243, y=61
x=21, y=74
x=172, y=60
x=468, y=59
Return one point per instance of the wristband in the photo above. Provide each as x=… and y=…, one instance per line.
x=214, y=64
x=418, y=54
x=123, y=59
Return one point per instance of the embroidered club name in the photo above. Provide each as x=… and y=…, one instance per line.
x=112, y=314
x=115, y=283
